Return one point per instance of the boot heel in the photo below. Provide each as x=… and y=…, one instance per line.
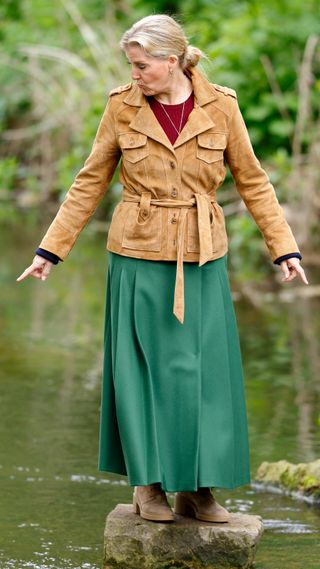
x=136, y=509
x=181, y=506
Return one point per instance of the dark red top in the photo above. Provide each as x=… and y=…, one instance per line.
x=175, y=114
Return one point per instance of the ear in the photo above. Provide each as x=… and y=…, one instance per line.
x=173, y=60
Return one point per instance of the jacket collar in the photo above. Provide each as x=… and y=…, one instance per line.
x=199, y=121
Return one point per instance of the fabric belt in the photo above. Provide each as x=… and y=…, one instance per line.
x=202, y=202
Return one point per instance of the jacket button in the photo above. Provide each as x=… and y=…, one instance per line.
x=174, y=193
x=144, y=213
x=172, y=164
x=174, y=220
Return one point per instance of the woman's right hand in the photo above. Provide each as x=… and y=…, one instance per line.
x=39, y=269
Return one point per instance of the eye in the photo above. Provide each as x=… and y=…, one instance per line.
x=139, y=65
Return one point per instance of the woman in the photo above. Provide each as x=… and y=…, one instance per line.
x=173, y=414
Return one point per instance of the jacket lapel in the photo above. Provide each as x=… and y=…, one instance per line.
x=198, y=121
x=146, y=123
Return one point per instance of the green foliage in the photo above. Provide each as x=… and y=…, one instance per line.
x=141, y=8
x=59, y=62
x=10, y=10
x=239, y=37
x=8, y=174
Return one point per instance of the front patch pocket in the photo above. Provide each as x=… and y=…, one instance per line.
x=210, y=146
x=134, y=146
x=142, y=235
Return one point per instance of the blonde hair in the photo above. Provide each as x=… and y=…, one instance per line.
x=160, y=36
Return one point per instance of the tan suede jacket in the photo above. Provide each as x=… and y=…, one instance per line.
x=169, y=208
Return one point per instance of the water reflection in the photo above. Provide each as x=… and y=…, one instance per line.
x=281, y=347
x=53, y=500
x=305, y=334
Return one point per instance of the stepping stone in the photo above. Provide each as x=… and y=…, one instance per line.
x=134, y=543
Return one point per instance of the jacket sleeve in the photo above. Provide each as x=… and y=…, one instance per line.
x=256, y=190
x=87, y=190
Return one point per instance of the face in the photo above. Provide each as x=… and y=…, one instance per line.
x=150, y=73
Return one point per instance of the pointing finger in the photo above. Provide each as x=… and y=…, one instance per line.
x=302, y=274
x=26, y=273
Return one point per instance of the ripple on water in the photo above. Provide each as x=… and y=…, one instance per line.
x=50, y=563
x=273, y=489
x=287, y=526
x=239, y=505
x=98, y=481
x=22, y=470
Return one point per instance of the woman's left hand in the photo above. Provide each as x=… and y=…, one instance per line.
x=292, y=268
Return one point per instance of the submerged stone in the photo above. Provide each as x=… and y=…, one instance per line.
x=134, y=543
x=301, y=479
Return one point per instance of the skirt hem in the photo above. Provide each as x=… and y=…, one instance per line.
x=185, y=487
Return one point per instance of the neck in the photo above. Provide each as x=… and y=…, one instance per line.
x=178, y=90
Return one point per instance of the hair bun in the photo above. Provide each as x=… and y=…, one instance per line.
x=192, y=56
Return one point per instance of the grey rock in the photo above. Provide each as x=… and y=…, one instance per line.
x=134, y=543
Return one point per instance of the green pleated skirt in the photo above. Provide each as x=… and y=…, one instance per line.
x=172, y=408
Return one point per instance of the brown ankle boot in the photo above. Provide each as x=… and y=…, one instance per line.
x=200, y=505
x=151, y=503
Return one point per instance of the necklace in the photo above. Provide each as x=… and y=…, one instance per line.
x=181, y=119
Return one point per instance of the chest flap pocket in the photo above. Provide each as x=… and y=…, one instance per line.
x=134, y=146
x=210, y=146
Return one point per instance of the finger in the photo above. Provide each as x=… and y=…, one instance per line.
x=46, y=270
x=292, y=274
x=302, y=274
x=26, y=273
x=285, y=269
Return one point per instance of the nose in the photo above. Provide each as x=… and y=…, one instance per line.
x=135, y=74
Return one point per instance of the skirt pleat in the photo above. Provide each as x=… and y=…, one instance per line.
x=173, y=407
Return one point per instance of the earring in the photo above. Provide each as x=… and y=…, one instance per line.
x=170, y=71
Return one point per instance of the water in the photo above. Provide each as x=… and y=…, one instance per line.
x=53, y=500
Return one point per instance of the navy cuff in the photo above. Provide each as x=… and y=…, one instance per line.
x=47, y=255
x=279, y=260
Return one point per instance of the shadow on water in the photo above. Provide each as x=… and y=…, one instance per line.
x=53, y=500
